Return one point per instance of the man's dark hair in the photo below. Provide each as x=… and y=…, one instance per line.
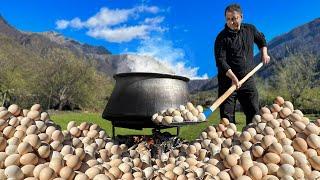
x=233, y=7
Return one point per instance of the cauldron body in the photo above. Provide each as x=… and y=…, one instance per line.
x=137, y=96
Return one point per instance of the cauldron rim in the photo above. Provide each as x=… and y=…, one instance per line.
x=151, y=74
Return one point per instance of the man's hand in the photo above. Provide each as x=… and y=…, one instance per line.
x=234, y=78
x=265, y=59
x=236, y=82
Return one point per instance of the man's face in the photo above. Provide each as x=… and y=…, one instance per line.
x=233, y=20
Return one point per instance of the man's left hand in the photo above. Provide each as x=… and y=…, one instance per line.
x=265, y=59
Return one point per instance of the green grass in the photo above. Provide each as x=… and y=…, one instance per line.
x=189, y=132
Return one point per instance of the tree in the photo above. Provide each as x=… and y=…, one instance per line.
x=296, y=75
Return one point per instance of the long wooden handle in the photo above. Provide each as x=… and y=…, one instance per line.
x=222, y=98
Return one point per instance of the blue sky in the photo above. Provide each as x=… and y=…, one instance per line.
x=179, y=33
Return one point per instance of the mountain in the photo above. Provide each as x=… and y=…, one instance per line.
x=302, y=39
x=40, y=44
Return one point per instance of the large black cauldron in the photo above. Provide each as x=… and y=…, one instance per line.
x=137, y=96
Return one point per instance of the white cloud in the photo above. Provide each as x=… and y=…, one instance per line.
x=173, y=58
x=62, y=24
x=150, y=9
x=122, y=34
x=125, y=25
x=109, y=17
x=110, y=24
x=155, y=20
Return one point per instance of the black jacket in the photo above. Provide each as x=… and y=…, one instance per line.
x=234, y=50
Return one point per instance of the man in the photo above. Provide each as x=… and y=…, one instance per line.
x=233, y=51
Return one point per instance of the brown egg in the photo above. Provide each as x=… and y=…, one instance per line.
x=27, y=170
x=81, y=176
x=311, y=128
x=300, y=144
x=245, y=136
x=285, y=170
x=33, y=140
x=290, y=133
x=36, y=107
x=271, y=158
x=257, y=151
x=264, y=110
x=266, y=117
x=246, y=163
x=228, y=133
x=298, y=173
x=256, y=119
x=103, y=177
x=285, y=112
x=24, y=147
x=236, y=171
x=50, y=129
x=56, y=145
x=13, y=172
x=13, y=159
x=275, y=108
x=14, y=109
x=246, y=145
x=313, y=141
x=299, y=126
x=279, y=100
x=47, y=173
x=255, y=173
x=3, y=124
x=275, y=148
x=73, y=162
x=286, y=159
x=231, y=160
x=67, y=173
x=167, y=120
x=4, y=114
x=289, y=105
x=29, y=158
x=34, y=115
x=44, y=151
x=37, y=169
x=93, y=134
x=287, y=149
x=272, y=168
x=67, y=149
x=75, y=131
x=212, y=170
x=44, y=116
x=115, y=171
x=315, y=162
x=267, y=141
x=294, y=117
x=244, y=177
x=224, y=175
x=9, y=131
x=57, y=136
x=56, y=164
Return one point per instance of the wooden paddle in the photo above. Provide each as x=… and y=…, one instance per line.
x=222, y=98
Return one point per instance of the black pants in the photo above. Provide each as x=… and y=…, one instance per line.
x=247, y=96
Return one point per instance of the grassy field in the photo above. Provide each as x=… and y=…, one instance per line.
x=190, y=132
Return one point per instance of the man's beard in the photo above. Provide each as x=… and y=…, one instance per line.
x=236, y=27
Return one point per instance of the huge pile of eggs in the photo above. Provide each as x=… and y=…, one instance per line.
x=280, y=143
x=187, y=113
